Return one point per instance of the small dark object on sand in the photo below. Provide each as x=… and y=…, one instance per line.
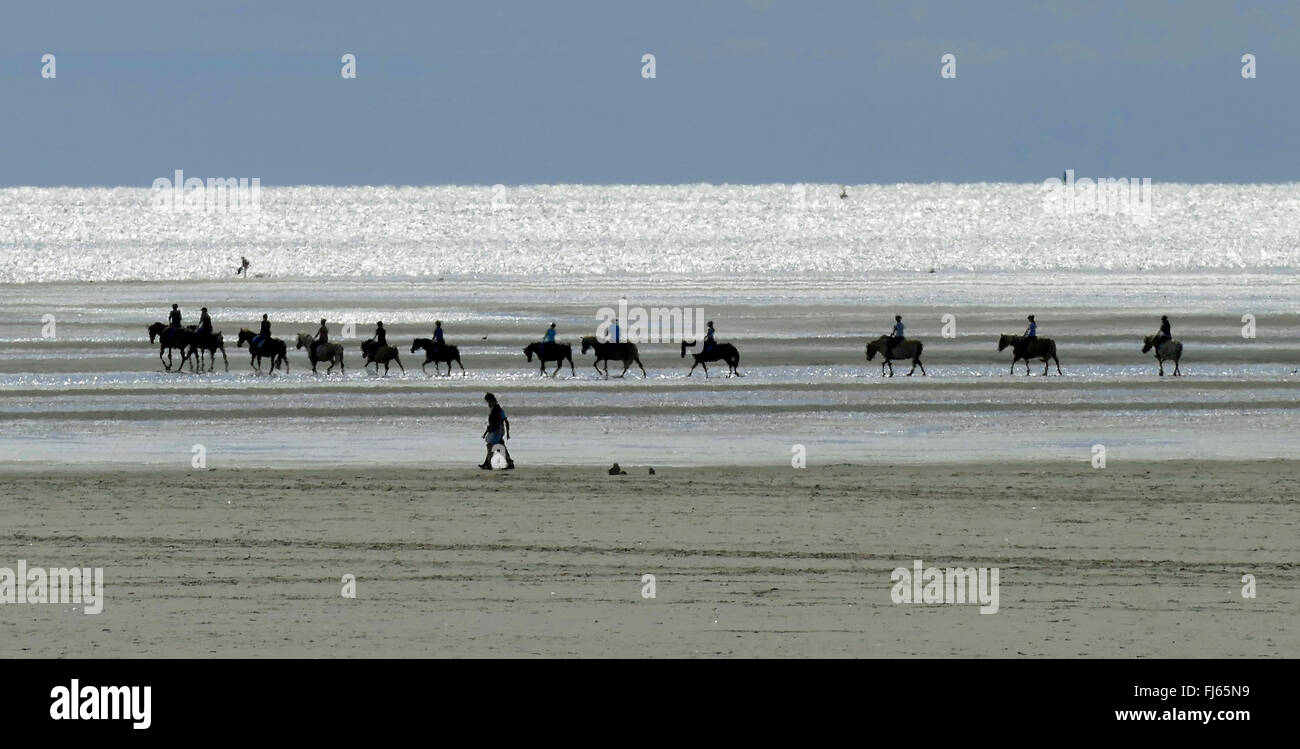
x=652, y=471
x=616, y=471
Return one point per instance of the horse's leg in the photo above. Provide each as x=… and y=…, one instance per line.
x=558, y=365
x=626, y=364
x=1161, y=362
x=913, y=369
x=572, y=373
x=922, y=366
x=596, y=365
x=1058, y=364
x=638, y=363
x=398, y=359
x=458, y=362
x=1177, y=373
x=688, y=374
x=706, y=369
x=1046, y=367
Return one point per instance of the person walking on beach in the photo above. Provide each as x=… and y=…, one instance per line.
x=497, y=432
x=243, y=266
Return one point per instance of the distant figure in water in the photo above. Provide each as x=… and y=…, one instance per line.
x=844, y=193
x=243, y=266
x=497, y=432
x=1165, y=335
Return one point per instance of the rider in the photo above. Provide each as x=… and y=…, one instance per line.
x=438, y=341
x=381, y=335
x=1027, y=340
x=1164, y=335
x=616, y=331
x=265, y=333
x=547, y=338
x=895, y=336
x=709, y=338
x=322, y=335
x=174, y=318
x=205, y=322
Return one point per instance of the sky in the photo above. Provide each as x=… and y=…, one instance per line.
x=757, y=91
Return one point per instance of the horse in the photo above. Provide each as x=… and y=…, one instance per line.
x=445, y=354
x=720, y=352
x=556, y=352
x=169, y=339
x=211, y=343
x=1042, y=349
x=624, y=352
x=273, y=347
x=1170, y=349
x=333, y=353
x=373, y=353
x=907, y=348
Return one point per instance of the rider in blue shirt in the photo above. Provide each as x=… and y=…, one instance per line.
x=710, y=339
x=895, y=336
x=548, y=338
x=616, y=331
x=264, y=334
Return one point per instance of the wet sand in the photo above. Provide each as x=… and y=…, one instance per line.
x=1137, y=559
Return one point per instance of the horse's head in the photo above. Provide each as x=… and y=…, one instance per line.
x=529, y=349
x=588, y=341
x=686, y=343
x=156, y=330
x=245, y=335
x=1003, y=341
x=303, y=340
x=1146, y=343
x=872, y=348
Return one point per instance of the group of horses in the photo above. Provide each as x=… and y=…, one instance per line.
x=1042, y=349
x=193, y=345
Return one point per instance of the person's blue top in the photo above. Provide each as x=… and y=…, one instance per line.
x=1033, y=330
x=437, y=335
x=616, y=333
x=898, y=329
x=549, y=335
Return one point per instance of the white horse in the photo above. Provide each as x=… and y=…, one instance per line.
x=1170, y=350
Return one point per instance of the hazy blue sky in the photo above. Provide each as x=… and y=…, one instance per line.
x=481, y=92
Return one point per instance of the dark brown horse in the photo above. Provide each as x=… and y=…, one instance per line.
x=608, y=350
x=720, y=352
x=556, y=352
x=272, y=347
x=1043, y=349
x=443, y=355
x=1170, y=350
x=211, y=343
x=907, y=348
x=375, y=354
x=169, y=339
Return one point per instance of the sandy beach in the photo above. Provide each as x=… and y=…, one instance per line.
x=1137, y=559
